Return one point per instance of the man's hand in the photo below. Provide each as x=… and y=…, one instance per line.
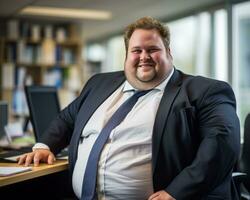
x=36, y=156
x=161, y=195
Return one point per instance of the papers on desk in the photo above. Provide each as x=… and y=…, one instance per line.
x=12, y=158
x=62, y=158
x=7, y=171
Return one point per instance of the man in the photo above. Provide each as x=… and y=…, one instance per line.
x=179, y=141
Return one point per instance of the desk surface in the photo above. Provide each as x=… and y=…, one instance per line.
x=41, y=170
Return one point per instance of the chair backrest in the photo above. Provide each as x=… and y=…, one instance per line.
x=43, y=106
x=245, y=157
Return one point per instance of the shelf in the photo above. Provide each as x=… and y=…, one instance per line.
x=41, y=61
x=68, y=42
x=44, y=65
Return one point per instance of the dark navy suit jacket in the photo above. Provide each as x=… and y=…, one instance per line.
x=196, y=134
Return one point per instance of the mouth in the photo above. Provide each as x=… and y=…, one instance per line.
x=146, y=65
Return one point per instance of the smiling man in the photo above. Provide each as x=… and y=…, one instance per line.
x=148, y=61
x=150, y=132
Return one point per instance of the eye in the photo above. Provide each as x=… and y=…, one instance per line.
x=137, y=51
x=153, y=50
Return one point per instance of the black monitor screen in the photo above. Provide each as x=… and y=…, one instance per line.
x=3, y=117
x=43, y=107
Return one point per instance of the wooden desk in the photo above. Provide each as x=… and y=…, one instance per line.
x=41, y=170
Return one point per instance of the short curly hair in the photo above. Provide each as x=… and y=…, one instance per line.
x=147, y=23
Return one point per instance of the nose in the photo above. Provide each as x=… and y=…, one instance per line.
x=144, y=55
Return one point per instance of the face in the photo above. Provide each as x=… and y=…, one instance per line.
x=148, y=62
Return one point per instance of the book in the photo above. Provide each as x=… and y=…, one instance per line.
x=7, y=171
x=48, y=51
x=8, y=81
x=13, y=29
x=35, y=32
x=60, y=35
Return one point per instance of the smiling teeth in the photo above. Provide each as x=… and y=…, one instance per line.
x=146, y=64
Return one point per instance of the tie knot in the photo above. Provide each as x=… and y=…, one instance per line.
x=140, y=93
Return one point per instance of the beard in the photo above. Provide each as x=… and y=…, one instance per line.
x=142, y=76
x=145, y=75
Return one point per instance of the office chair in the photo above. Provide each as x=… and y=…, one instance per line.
x=242, y=176
x=244, y=163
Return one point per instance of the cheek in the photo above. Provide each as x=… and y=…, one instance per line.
x=131, y=62
x=160, y=59
x=133, y=58
x=157, y=57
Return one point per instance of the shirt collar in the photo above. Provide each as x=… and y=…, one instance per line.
x=128, y=87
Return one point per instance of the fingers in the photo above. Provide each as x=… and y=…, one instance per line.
x=21, y=159
x=51, y=159
x=29, y=159
x=161, y=195
x=153, y=196
x=36, y=157
x=25, y=159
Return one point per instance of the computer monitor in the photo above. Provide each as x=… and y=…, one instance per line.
x=43, y=107
x=3, y=117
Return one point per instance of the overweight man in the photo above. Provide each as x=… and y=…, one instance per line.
x=148, y=132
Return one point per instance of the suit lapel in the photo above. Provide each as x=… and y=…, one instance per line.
x=170, y=92
x=93, y=101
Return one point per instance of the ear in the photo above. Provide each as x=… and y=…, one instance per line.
x=169, y=53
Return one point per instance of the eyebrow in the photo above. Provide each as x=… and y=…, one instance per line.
x=139, y=47
x=136, y=47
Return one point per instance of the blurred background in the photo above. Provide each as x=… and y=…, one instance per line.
x=62, y=43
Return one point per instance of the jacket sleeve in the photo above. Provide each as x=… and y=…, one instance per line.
x=218, y=127
x=59, y=133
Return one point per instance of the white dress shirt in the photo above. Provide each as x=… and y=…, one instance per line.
x=124, y=170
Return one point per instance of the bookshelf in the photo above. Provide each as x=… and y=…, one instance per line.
x=39, y=53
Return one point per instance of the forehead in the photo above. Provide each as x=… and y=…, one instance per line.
x=141, y=37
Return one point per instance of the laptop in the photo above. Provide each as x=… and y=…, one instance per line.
x=43, y=104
